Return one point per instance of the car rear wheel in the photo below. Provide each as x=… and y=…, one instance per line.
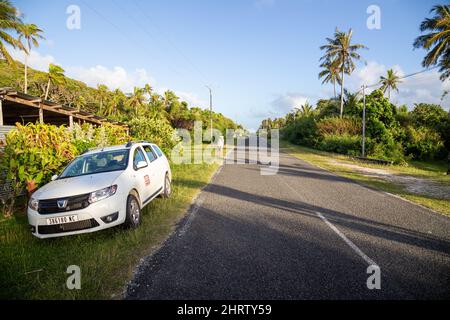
x=133, y=218
x=167, y=187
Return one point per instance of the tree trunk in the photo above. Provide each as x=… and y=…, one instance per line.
x=46, y=91
x=25, y=89
x=342, y=93
x=334, y=85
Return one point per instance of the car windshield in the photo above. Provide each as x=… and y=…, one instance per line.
x=96, y=163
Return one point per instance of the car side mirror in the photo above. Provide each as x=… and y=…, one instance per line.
x=54, y=177
x=141, y=164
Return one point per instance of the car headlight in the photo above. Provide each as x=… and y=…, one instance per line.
x=33, y=204
x=102, y=194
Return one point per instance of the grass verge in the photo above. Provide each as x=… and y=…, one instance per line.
x=36, y=269
x=434, y=171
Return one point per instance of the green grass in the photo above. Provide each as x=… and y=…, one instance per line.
x=36, y=269
x=433, y=170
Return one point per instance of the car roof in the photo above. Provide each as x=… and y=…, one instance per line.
x=116, y=148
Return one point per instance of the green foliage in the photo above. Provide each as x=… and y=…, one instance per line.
x=339, y=126
x=428, y=115
x=345, y=144
x=302, y=131
x=154, y=128
x=424, y=144
x=87, y=136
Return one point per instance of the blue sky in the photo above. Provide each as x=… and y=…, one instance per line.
x=260, y=56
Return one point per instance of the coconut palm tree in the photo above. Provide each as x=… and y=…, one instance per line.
x=31, y=34
x=437, y=41
x=136, y=99
x=305, y=110
x=102, y=92
x=341, y=49
x=389, y=82
x=330, y=73
x=9, y=21
x=55, y=76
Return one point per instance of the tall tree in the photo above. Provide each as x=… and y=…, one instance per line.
x=341, y=49
x=9, y=21
x=103, y=93
x=136, y=99
x=330, y=73
x=31, y=34
x=389, y=82
x=437, y=41
x=55, y=76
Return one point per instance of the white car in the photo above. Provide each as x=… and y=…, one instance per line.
x=99, y=189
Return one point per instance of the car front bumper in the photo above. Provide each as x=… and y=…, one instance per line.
x=89, y=219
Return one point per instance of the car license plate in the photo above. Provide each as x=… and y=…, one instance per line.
x=61, y=220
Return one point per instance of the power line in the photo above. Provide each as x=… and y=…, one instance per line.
x=126, y=36
x=167, y=38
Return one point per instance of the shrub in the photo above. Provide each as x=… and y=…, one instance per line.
x=32, y=154
x=345, y=144
x=302, y=131
x=424, y=143
x=428, y=115
x=87, y=136
x=338, y=126
x=154, y=128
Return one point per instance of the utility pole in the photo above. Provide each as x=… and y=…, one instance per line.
x=210, y=113
x=364, y=122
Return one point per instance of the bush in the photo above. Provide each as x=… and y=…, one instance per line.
x=338, y=126
x=302, y=131
x=345, y=144
x=87, y=136
x=424, y=143
x=156, y=129
x=33, y=153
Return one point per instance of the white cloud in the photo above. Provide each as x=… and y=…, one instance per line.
x=425, y=87
x=285, y=103
x=114, y=78
x=35, y=59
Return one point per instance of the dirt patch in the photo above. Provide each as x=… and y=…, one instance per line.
x=412, y=184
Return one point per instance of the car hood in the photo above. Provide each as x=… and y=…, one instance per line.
x=68, y=187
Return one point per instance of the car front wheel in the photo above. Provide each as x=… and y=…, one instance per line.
x=133, y=218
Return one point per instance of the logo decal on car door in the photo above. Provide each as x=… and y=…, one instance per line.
x=147, y=180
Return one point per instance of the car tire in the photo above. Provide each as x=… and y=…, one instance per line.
x=133, y=217
x=167, y=187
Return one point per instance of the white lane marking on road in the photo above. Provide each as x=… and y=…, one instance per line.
x=347, y=240
x=339, y=233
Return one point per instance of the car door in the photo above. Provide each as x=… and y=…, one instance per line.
x=156, y=173
x=142, y=175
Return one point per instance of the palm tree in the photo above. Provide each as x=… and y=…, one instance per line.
x=30, y=33
x=389, y=82
x=330, y=73
x=136, y=99
x=305, y=110
x=341, y=49
x=102, y=92
x=55, y=76
x=437, y=41
x=9, y=21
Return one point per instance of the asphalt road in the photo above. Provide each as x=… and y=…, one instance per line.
x=304, y=233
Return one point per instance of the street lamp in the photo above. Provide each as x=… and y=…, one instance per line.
x=364, y=122
x=210, y=112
